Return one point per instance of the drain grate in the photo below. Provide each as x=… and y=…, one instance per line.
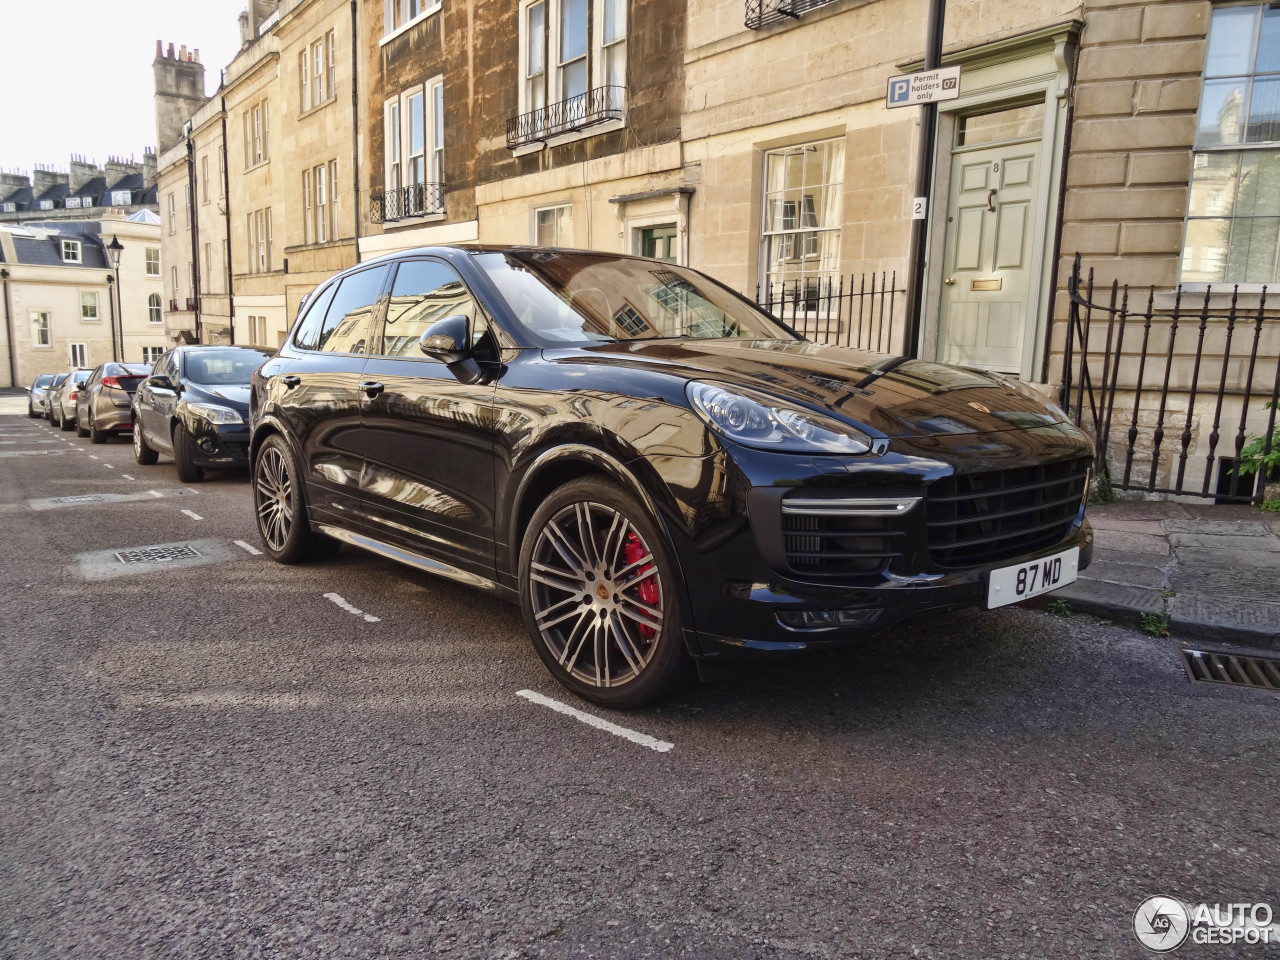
x=1261, y=673
x=182, y=551
x=87, y=498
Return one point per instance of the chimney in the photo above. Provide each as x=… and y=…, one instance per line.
x=179, y=94
x=82, y=171
x=246, y=29
x=44, y=177
x=118, y=168
x=14, y=179
x=149, y=166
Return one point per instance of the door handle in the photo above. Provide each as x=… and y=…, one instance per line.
x=991, y=206
x=291, y=381
x=371, y=388
x=950, y=281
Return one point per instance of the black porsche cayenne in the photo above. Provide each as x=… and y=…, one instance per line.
x=656, y=471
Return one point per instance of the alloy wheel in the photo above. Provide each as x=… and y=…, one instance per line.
x=273, y=492
x=137, y=441
x=597, y=594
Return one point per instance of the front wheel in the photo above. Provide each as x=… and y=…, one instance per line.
x=31, y=410
x=598, y=593
x=184, y=456
x=66, y=424
x=280, y=509
x=141, y=451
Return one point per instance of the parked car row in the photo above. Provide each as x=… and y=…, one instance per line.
x=658, y=472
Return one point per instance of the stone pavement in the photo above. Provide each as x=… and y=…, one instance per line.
x=1213, y=571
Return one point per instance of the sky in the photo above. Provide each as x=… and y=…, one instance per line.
x=77, y=74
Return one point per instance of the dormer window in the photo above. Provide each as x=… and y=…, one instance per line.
x=121, y=198
x=71, y=251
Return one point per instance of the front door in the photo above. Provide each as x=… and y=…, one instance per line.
x=988, y=281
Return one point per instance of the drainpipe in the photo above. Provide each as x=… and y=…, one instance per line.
x=1051, y=309
x=226, y=212
x=194, y=207
x=8, y=325
x=355, y=129
x=111, y=297
x=924, y=184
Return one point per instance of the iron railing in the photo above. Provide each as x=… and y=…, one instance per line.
x=402, y=203
x=577, y=113
x=761, y=13
x=863, y=311
x=1204, y=377
x=191, y=303
x=173, y=306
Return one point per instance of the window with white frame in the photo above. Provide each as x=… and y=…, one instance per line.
x=800, y=235
x=8, y=207
x=71, y=251
x=320, y=180
x=304, y=81
x=73, y=202
x=79, y=353
x=414, y=158
x=204, y=179
x=121, y=198
x=86, y=202
x=173, y=215
x=155, y=312
x=573, y=51
x=259, y=235
x=553, y=226
x=151, y=355
x=187, y=194
x=89, y=306
x=397, y=14
x=208, y=268
x=1233, y=215
x=174, y=280
x=222, y=170
x=46, y=204
x=153, y=261
x=257, y=128
x=40, y=328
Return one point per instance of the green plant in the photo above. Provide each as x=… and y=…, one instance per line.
x=1060, y=607
x=1272, y=506
x=1251, y=458
x=1156, y=623
x=1100, y=490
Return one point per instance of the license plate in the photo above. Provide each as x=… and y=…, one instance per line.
x=1011, y=584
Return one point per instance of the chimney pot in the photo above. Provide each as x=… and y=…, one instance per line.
x=171, y=57
x=159, y=49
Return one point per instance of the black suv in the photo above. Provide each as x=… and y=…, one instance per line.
x=656, y=470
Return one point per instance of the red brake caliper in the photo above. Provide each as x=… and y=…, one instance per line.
x=633, y=550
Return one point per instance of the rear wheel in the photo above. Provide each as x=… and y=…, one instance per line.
x=81, y=431
x=184, y=456
x=598, y=592
x=96, y=435
x=280, y=509
x=141, y=452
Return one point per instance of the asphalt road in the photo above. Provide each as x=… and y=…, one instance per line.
x=216, y=760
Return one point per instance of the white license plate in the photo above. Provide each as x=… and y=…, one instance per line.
x=1011, y=584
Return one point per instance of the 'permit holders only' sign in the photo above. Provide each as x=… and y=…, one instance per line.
x=914, y=89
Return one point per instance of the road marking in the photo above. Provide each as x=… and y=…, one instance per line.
x=92, y=457
x=155, y=494
x=244, y=546
x=643, y=739
x=125, y=476
x=108, y=466
x=193, y=515
x=336, y=598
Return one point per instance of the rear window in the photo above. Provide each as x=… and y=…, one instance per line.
x=80, y=376
x=57, y=380
x=130, y=383
x=44, y=379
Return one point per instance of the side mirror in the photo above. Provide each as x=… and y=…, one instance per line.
x=449, y=341
x=160, y=382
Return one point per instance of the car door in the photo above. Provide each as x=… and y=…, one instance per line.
x=84, y=398
x=319, y=397
x=156, y=404
x=428, y=438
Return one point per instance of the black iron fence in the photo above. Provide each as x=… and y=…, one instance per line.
x=576, y=113
x=401, y=203
x=1179, y=391
x=861, y=310
x=761, y=13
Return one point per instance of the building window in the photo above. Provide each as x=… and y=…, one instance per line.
x=414, y=135
x=154, y=313
x=1233, y=217
x=257, y=129
x=208, y=267
x=89, y=306
x=121, y=198
x=39, y=329
x=259, y=223
x=304, y=82
x=78, y=354
x=397, y=14
x=173, y=216
x=153, y=262
x=320, y=178
x=222, y=170
x=46, y=204
x=70, y=251
x=331, y=70
x=186, y=191
x=151, y=355
x=800, y=236
x=174, y=278
x=204, y=179
x=553, y=226
x=333, y=199
x=73, y=203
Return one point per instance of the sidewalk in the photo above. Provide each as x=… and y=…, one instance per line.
x=1213, y=571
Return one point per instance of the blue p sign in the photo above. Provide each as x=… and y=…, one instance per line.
x=900, y=90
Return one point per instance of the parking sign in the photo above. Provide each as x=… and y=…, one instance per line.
x=915, y=89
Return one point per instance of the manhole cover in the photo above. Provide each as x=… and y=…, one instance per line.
x=87, y=498
x=183, y=551
x=1261, y=673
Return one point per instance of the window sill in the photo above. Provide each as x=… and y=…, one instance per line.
x=414, y=221
x=604, y=126
x=405, y=27
x=318, y=107
x=255, y=167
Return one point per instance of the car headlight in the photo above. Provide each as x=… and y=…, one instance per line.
x=214, y=413
x=758, y=420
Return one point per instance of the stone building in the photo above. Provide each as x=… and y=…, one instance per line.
x=82, y=190
x=62, y=306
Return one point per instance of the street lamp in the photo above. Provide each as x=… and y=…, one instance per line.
x=114, y=249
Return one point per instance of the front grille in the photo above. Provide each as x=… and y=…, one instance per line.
x=838, y=536
x=183, y=551
x=986, y=517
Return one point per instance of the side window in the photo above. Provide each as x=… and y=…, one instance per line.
x=346, y=324
x=309, y=327
x=424, y=292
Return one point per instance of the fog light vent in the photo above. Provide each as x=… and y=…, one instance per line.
x=828, y=619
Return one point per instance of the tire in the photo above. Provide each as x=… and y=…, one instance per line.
x=571, y=598
x=279, y=507
x=31, y=411
x=141, y=452
x=96, y=435
x=183, y=457
x=81, y=431
x=66, y=424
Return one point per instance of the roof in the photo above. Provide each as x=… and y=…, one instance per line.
x=90, y=188
x=21, y=195
x=132, y=181
x=43, y=247
x=143, y=216
x=55, y=192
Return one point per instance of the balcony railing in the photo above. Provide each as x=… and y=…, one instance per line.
x=577, y=113
x=173, y=306
x=191, y=303
x=402, y=203
x=761, y=13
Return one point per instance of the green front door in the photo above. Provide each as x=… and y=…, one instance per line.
x=659, y=243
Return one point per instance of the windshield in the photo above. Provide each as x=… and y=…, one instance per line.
x=224, y=367
x=80, y=376
x=44, y=379
x=57, y=380
x=568, y=297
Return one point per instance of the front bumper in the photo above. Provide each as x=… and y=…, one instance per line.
x=219, y=445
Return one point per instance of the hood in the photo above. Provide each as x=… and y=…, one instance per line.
x=235, y=395
x=892, y=395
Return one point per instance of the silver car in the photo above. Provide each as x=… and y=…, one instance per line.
x=36, y=395
x=62, y=399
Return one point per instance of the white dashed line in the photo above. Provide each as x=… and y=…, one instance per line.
x=369, y=618
x=248, y=549
x=193, y=515
x=108, y=466
x=643, y=739
x=156, y=494
x=125, y=476
x=92, y=457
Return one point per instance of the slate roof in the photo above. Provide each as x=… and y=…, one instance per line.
x=92, y=188
x=43, y=247
x=21, y=196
